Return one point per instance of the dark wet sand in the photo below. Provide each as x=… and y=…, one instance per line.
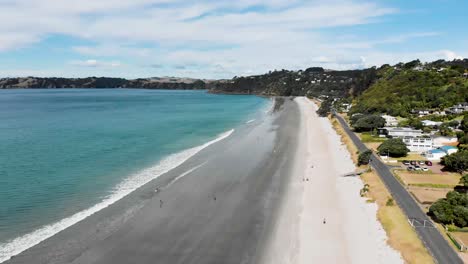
x=221, y=212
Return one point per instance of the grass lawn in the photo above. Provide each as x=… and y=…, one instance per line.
x=434, y=180
x=368, y=137
x=426, y=195
x=401, y=236
x=413, y=156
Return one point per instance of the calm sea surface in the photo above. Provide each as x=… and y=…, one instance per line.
x=63, y=151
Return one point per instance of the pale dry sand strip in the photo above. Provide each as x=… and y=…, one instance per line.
x=316, y=192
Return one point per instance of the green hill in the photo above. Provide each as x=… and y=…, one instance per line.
x=399, y=89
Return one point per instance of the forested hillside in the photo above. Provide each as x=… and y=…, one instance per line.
x=401, y=88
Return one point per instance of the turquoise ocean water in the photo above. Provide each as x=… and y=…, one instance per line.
x=63, y=151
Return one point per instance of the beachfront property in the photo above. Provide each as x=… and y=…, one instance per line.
x=418, y=144
x=416, y=141
x=438, y=153
x=390, y=121
x=399, y=132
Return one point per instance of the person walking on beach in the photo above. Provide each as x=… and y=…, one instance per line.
x=324, y=221
x=160, y=203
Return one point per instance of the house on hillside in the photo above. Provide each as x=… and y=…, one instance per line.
x=430, y=123
x=421, y=112
x=390, y=121
x=345, y=108
x=458, y=108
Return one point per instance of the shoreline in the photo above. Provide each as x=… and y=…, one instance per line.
x=132, y=183
x=212, y=211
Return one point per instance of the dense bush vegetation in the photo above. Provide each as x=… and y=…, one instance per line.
x=394, y=147
x=325, y=107
x=362, y=123
x=400, y=89
x=451, y=210
x=364, y=157
x=457, y=162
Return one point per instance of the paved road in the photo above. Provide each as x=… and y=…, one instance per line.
x=442, y=252
x=215, y=208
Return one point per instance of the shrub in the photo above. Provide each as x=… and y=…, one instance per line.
x=390, y=202
x=364, y=157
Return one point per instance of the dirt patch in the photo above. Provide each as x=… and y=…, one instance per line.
x=427, y=196
x=461, y=237
x=417, y=178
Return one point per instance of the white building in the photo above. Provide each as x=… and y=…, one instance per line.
x=418, y=144
x=458, y=109
x=345, y=108
x=430, y=123
x=390, y=121
x=438, y=153
x=400, y=132
x=434, y=154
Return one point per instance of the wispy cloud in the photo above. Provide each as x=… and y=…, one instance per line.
x=95, y=63
x=209, y=38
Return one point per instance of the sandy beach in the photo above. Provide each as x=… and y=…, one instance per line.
x=318, y=193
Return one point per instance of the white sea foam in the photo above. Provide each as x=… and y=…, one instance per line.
x=18, y=245
x=250, y=121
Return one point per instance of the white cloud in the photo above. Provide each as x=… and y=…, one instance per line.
x=450, y=55
x=95, y=63
x=203, y=38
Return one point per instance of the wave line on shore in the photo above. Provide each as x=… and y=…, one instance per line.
x=22, y=243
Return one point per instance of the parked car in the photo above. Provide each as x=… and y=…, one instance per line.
x=417, y=168
x=410, y=168
x=413, y=162
x=428, y=163
x=422, y=162
x=425, y=169
x=406, y=162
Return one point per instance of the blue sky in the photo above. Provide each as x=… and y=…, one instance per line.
x=222, y=39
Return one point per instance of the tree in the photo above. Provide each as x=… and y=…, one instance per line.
x=364, y=157
x=460, y=216
x=394, y=147
x=464, y=123
x=442, y=211
x=368, y=123
x=457, y=161
x=464, y=180
x=453, y=209
x=325, y=107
